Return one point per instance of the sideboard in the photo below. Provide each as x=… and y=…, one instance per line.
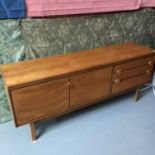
x=56, y=85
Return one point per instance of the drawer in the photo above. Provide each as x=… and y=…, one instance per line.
x=128, y=73
x=132, y=64
x=132, y=74
x=121, y=85
x=41, y=100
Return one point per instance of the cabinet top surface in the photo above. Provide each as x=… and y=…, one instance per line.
x=24, y=72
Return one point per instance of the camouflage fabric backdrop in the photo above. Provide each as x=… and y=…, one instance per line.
x=32, y=38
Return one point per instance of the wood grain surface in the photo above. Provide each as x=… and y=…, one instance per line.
x=30, y=71
x=131, y=82
x=89, y=86
x=37, y=101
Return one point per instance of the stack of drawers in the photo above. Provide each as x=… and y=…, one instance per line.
x=132, y=74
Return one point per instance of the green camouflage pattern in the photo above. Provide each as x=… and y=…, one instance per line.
x=11, y=50
x=33, y=38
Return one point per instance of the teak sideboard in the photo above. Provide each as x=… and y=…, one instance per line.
x=55, y=85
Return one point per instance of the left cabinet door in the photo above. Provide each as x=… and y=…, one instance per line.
x=41, y=100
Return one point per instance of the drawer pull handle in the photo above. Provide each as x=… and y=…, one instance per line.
x=117, y=81
x=69, y=85
x=150, y=63
x=119, y=71
x=148, y=72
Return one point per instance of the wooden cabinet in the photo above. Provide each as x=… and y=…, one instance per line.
x=89, y=87
x=52, y=86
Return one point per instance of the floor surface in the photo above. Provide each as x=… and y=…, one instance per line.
x=114, y=127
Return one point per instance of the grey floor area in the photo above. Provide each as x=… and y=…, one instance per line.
x=118, y=126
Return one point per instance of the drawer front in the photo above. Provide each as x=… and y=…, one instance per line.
x=132, y=74
x=132, y=64
x=38, y=101
x=125, y=74
x=132, y=82
x=89, y=87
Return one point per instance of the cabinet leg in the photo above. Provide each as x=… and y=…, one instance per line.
x=33, y=131
x=137, y=94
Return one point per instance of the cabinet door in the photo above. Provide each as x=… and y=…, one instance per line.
x=41, y=100
x=89, y=87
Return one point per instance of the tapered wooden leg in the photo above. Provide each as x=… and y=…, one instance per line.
x=33, y=131
x=137, y=94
